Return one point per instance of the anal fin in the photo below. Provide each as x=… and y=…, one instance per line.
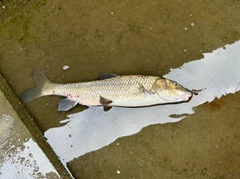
x=66, y=104
x=106, y=108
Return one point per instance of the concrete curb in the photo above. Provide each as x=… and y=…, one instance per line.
x=33, y=128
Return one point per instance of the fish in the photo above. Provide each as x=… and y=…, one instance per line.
x=110, y=90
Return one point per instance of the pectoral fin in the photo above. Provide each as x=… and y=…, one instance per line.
x=147, y=92
x=104, y=101
x=66, y=104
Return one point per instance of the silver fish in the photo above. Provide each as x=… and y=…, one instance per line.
x=111, y=90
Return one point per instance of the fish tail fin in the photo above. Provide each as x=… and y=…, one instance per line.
x=40, y=80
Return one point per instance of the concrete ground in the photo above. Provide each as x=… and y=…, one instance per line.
x=125, y=37
x=24, y=152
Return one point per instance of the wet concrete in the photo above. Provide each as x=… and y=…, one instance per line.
x=127, y=38
x=78, y=135
x=203, y=145
x=23, y=151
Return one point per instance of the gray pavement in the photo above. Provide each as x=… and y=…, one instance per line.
x=127, y=37
x=24, y=153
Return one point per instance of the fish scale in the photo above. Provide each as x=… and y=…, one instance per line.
x=125, y=91
x=89, y=93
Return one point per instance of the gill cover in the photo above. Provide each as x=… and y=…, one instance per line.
x=170, y=91
x=159, y=86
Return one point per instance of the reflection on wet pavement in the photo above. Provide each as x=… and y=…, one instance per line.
x=217, y=74
x=21, y=159
x=6, y=123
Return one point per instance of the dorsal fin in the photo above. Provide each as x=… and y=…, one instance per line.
x=107, y=75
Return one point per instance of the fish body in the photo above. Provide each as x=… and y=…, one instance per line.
x=113, y=90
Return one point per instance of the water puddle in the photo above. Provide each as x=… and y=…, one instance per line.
x=218, y=74
x=21, y=159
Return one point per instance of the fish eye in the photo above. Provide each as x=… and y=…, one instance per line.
x=175, y=83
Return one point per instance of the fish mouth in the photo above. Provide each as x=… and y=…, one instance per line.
x=188, y=96
x=183, y=97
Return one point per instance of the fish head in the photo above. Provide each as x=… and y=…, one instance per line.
x=171, y=91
